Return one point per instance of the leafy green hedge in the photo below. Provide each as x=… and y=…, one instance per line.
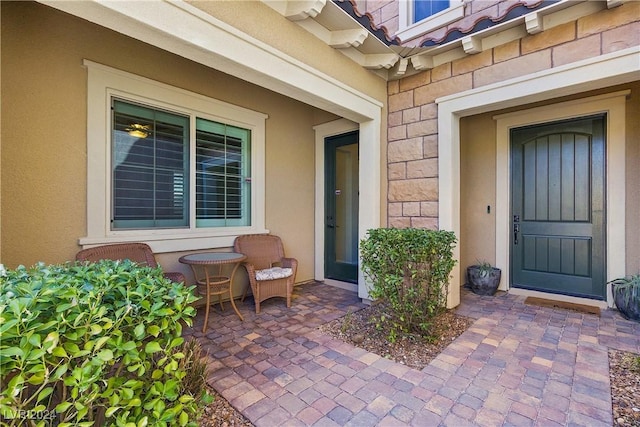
x=94, y=344
x=409, y=269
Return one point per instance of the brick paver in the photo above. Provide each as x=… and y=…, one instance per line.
x=516, y=365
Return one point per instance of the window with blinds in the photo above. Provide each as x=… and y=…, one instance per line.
x=151, y=170
x=222, y=162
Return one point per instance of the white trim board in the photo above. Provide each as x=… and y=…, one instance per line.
x=369, y=178
x=341, y=285
x=606, y=70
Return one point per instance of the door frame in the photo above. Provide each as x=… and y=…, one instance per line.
x=582, y=76
x=333, y=267
x=324, y=131
x=613, y=104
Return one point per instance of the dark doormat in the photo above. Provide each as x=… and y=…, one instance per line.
x=583, y=308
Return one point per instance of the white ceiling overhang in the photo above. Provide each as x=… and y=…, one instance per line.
x=331, y=24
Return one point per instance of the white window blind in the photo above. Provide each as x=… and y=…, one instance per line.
x=151, y=176
x=150, y=161
x=223, y=190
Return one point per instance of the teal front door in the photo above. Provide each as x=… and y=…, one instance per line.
x=558, y=207
x=341, y=207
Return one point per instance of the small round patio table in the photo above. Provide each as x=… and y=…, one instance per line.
x=215, y=282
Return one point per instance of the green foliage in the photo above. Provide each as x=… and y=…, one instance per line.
x=99, y=344
x=346, y=321
x=409, y=269
x=484, y=268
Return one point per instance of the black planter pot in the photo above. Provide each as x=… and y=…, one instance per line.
x=627, y=304
x=483, y=282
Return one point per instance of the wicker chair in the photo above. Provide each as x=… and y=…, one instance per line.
x=270, y=273
x=140, y=253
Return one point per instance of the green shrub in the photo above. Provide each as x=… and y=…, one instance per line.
x=409, y=269
x=94, y=344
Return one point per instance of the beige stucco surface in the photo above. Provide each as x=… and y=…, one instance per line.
x=477, y=190
x=633, y=179
x=44, y=133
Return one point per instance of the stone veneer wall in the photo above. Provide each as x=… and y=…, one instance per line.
x=412, y=122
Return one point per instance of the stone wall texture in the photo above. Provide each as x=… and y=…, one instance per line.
x=412, y=151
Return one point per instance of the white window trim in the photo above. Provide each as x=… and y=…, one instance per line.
x=408, y=30
x=105, y=82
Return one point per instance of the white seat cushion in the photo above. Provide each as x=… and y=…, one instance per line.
x=273, y=273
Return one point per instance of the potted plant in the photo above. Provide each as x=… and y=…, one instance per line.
x=626, y=295
x=483, y=278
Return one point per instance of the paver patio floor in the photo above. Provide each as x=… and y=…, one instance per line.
x=517, y=365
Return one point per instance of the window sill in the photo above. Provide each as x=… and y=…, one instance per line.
x=431, y=23
x=176, y=242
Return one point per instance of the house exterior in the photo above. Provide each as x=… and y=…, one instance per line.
x=184, y=124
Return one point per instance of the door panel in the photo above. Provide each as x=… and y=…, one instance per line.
x=341, y=204
x=558, y=201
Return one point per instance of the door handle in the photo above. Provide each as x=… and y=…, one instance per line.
x=330, y=223
x=516, y=230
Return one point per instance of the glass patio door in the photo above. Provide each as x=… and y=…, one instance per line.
x=341, y=207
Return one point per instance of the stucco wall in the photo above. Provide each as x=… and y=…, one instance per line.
x=44, y=134
x=477, y=190
x=633, y=179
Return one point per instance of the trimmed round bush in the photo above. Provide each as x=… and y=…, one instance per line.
x=409, y=269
